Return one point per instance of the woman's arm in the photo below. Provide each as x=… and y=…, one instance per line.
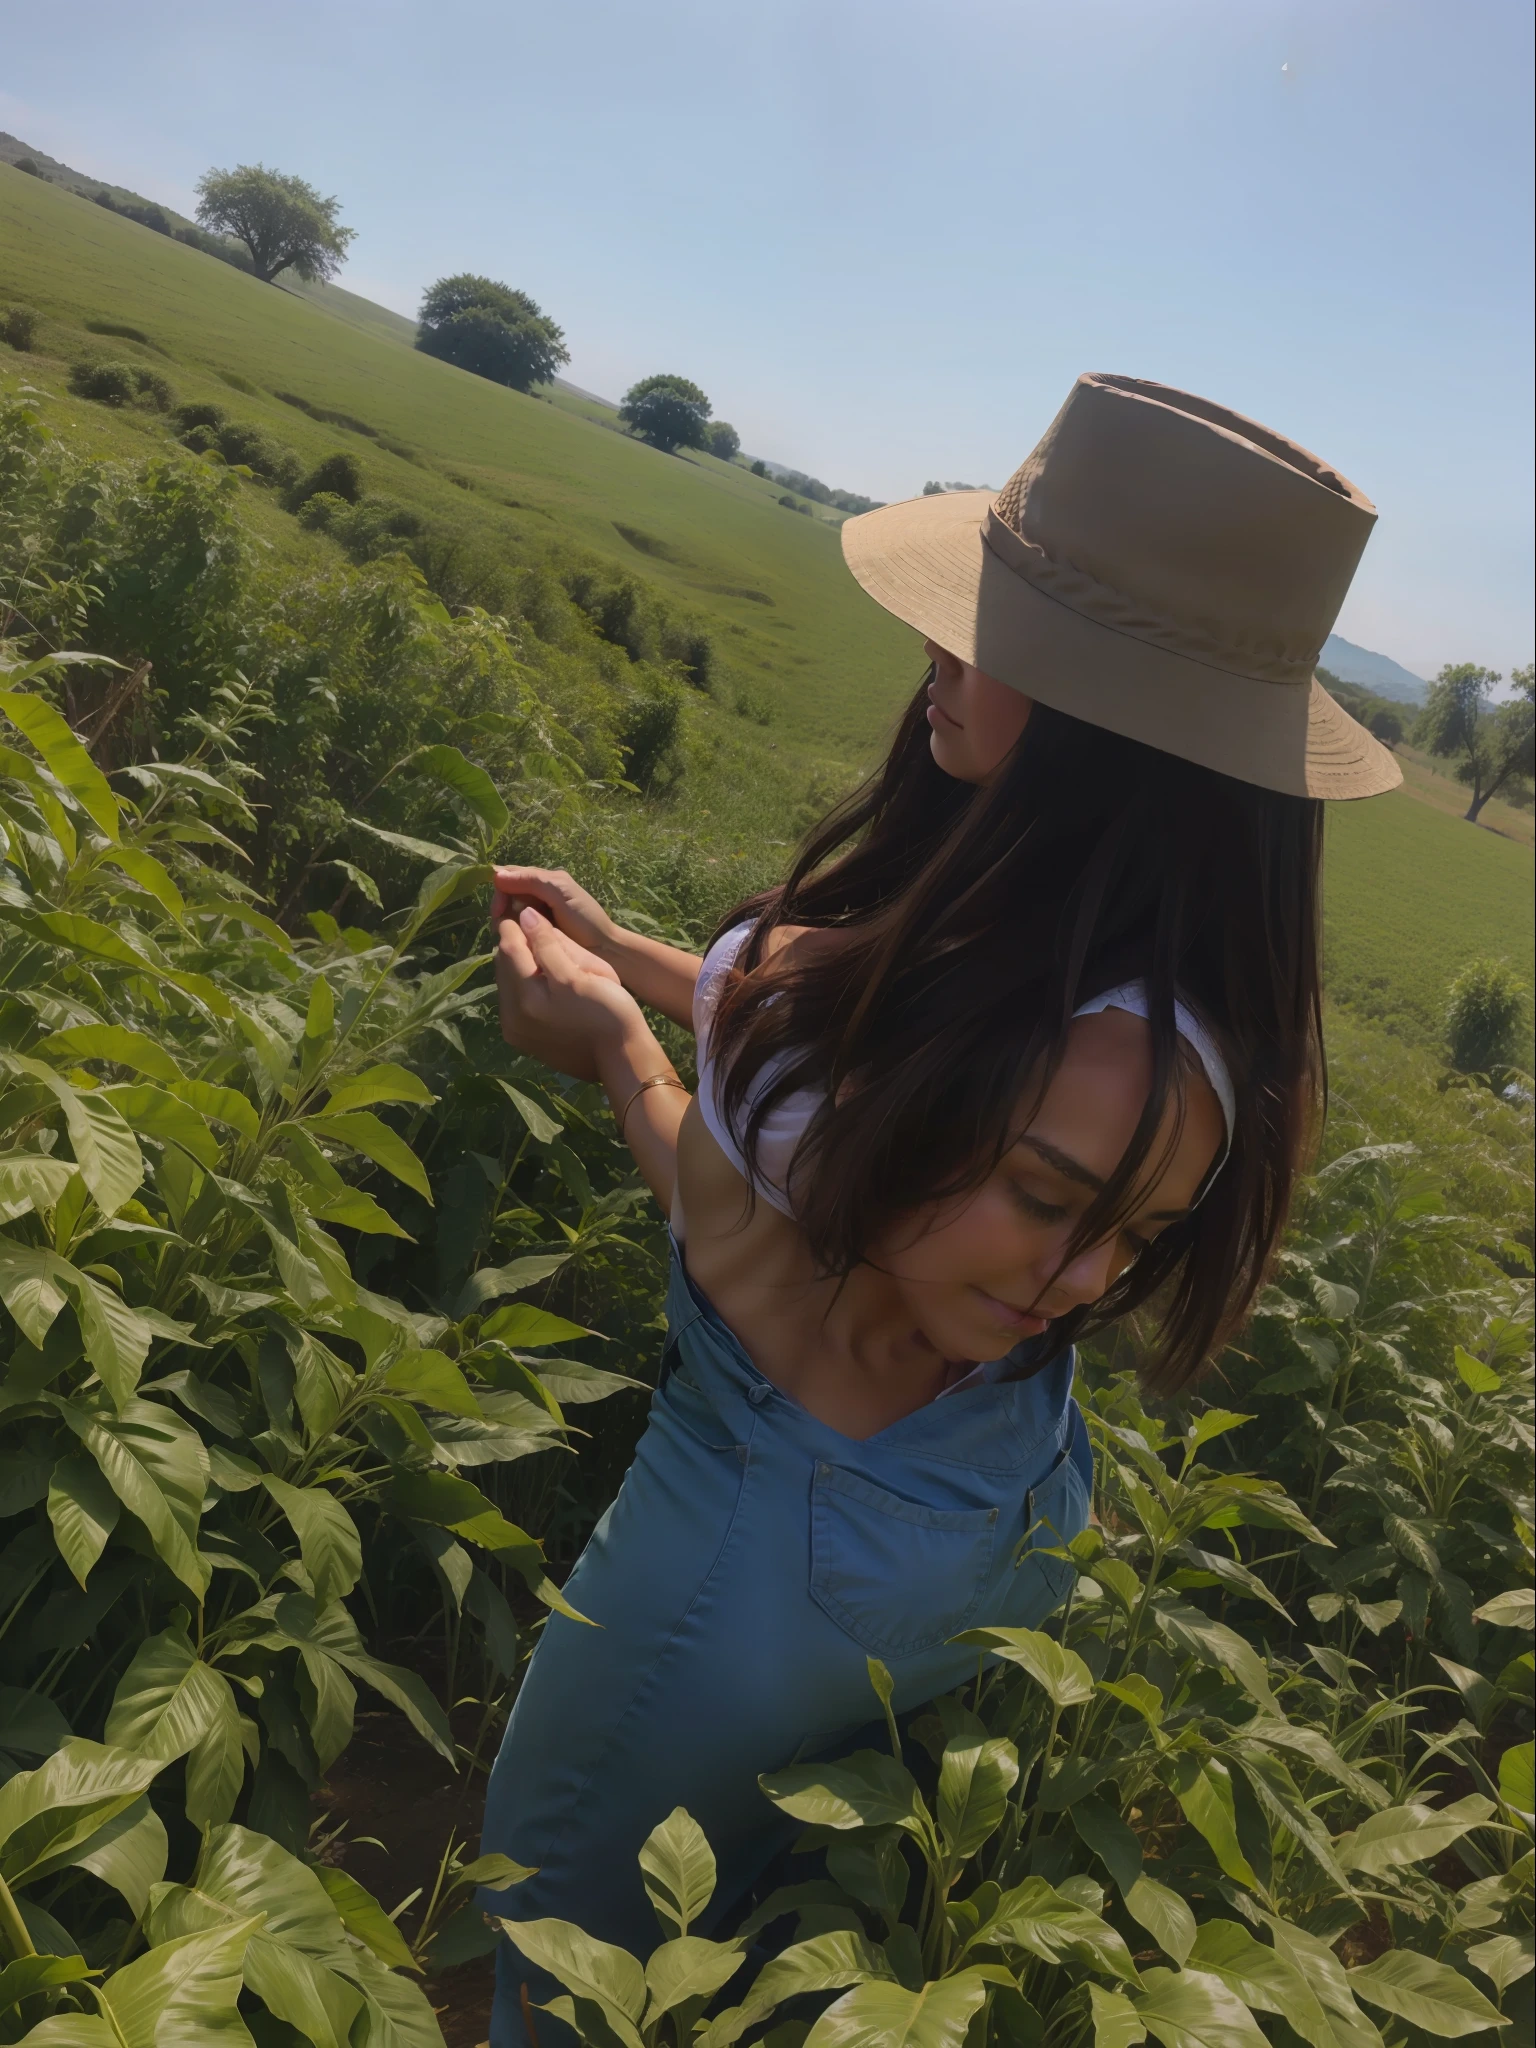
x=660, y=975
x=566, y=1006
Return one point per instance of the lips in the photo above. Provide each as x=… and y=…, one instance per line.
x=1018, y=1319
x=938, y=715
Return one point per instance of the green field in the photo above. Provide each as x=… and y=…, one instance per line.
x=1412, y=890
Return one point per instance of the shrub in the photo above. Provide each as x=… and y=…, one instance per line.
x=106, y=383
x=119, y=384
x=250, y=448
x=340, y=474
x=375, y=526
x=759, y=468
x=722, y=440
x=1484, y=1016
x=317, y=512
x=200, y=412
x=18, y=327
x=650, y=737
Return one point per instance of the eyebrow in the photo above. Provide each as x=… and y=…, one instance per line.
x=1074, y=1170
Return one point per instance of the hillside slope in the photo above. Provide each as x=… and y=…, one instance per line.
x=773, y=582
x=1413, y=891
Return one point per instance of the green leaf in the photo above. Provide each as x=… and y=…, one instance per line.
x=1111, y=1839
x=679, y=1870
x=167, y=1699
x=30, y=1974
x=185, y=1994
x=1325, y=1974
x=688, y=1968
x=224, y=1105
x=1192, y=2009
x=1212, y=1642
x=110, y=1163
x=1262, y=1977
x=827, y=1962
x=1204, y=1791
x=1136, y=1692
x=589, y=1968
x=1515, y=1609
x=1061, y=1673
x=363, y=1916
x=523, y=1328
x=1164, y=1915
x=448, y=766
x=1425, y=1993
x=157, y=1465
x=975, y=1778
x=383, y=1083
x=30, y=1180
x=1482, y=1379
x=398, y=2014
x=65, y=757
x=129, y=1853
x=114, y=1042
x=1036, y=1917
x=83, y=1510
x=1400, y=1835
x=73, y=2030
x=329, y=1544
x=432, y=1377
x=1213, y=1422
x=143, y=868
x=1504, y=1959
x=372, y=1137
x=158, y=1114
x=332, y=1631
x=354, y=1209
x=453, y=1503
x=864, y=1790
x=492, y=1281
x=1517, y=1777
x=216, y=1765
x=541, y=1125
x=48, y=1815
x=1115, y=2024
x=884, y=2015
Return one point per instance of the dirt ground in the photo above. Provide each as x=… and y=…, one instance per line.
x=389, y=1784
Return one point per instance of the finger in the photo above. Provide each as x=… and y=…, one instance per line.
x=538, y=885
x=514, y=950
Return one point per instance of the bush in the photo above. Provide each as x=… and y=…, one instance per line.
x=18, y=327
x=317, y=512
x=250, y=448
x=650, y=738
x=200, y=412
x=120, y=384
x=1484, y=1017
x=375, y=526
x=341, y=475
x=722, y=440
x=759, y=468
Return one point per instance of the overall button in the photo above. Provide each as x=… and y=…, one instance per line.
x=759, y=1393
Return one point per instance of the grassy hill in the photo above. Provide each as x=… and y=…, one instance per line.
x=810, y=671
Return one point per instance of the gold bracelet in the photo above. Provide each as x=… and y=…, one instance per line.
x=656, y=1081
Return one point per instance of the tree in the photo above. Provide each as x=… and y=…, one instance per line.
x=283, y=221
x=1491, y=743
x=490, y=330
x=1386, y=725
x=722, y=440
x=669, y=412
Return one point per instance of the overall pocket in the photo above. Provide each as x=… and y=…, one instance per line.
x=1031, y=1585
x=895, y=1576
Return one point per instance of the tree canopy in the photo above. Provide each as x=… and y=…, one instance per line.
x=490, y=330
x=283, y=222
x=722, y=440
x=1491, y=744
x=669, y=412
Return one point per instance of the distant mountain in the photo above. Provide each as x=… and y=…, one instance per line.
x=1376, y=672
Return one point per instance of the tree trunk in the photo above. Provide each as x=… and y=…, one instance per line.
x=1480, y=797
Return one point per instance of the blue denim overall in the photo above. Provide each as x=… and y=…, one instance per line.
x=753, y=1560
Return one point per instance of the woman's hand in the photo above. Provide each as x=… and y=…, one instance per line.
x=658, y=974
x=564, y=903
x=560, y=1002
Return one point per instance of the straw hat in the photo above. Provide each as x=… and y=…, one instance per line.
x=1158, y=566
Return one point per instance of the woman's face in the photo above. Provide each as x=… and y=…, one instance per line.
x=985, y=1273
x=974, y=720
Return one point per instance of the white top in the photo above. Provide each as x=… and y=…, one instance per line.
x=786, y=1124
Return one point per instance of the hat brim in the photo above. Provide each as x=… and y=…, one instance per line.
x=926, y=562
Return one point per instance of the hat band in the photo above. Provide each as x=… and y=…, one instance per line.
x=1106, y=606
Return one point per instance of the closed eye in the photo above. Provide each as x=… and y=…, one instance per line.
x=1042, y=1212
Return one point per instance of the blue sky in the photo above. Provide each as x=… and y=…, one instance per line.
x=884, y=235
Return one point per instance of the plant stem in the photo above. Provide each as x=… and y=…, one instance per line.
x=13, y=1929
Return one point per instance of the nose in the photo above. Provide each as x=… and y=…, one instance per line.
x=1086, y=1279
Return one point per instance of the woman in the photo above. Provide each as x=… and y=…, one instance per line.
x=1030, y=1034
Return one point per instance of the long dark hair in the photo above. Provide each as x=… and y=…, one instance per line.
x=976, y=921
